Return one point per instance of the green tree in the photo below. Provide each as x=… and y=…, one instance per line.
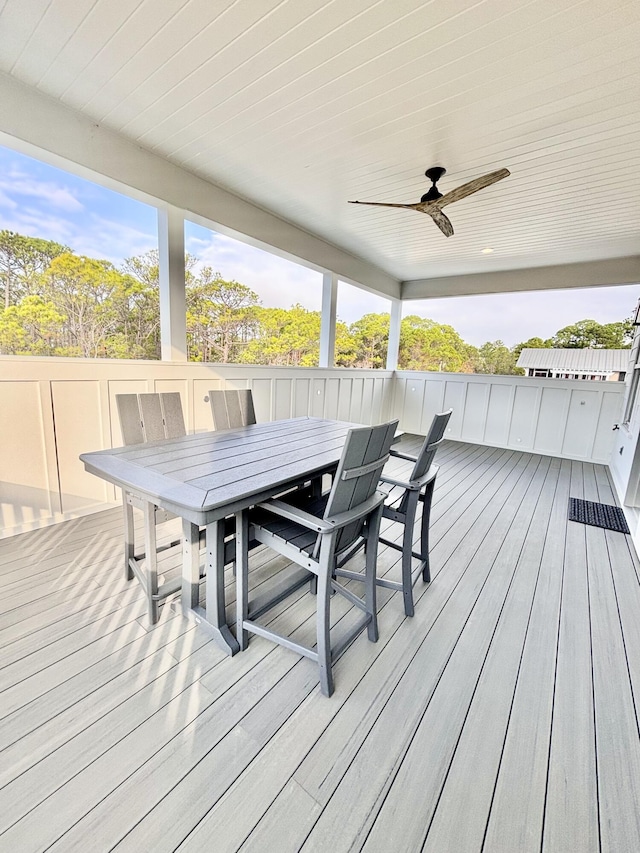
x=14, y=339
x=89, y=293
x=31, y=328
x=220, y=317
x=345, y=352
x=427, y=345
x=589, y=333
x=494, y=357
x=367, y=343
x=532, y=343
x=23, y=260
x=284, y=336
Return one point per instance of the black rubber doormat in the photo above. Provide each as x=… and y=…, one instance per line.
x=599, y=515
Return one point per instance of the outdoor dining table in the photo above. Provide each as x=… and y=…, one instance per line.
x=205, y=477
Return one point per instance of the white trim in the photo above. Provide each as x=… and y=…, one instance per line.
x=329, y=315
x=613, y=271
x=393, y=345
x=173, y=301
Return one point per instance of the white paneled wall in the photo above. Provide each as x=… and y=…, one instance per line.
x=572, y=419
x=51, y=410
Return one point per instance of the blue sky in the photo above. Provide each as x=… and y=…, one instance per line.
x=43, y=201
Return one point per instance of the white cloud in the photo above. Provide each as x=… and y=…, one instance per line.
x=34, y=223
x=111, y=240
x=17, y=182
x=278, y=282
x=7, y=201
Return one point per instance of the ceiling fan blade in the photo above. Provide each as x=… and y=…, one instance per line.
x=472, y=187
x=443, y=222
x=384, y=204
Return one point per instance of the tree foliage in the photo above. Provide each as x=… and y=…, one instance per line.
x=365, y=344
x=284, y=337
x=23, y=260
x=55, y=302
x=589, y=333
x=427, y=345
x=220, y=317
x=494, y=357
x=532, y=343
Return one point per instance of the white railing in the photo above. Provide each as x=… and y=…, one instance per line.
x=53, y=409
x=572, y=419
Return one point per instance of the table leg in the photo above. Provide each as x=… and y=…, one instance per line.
x=215, y=606
x=129, y=536
x=212, y=618
x=190, y=565
x=151, y=561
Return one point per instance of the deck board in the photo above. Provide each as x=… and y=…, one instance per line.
x=501, y=717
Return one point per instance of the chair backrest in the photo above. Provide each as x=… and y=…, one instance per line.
x=130, y=420
x=172, y=415
x=365, y=452
x=232, y=408
x=149, y=417
x=428, y=450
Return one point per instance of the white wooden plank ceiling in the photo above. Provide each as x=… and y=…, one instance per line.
x=300, y=105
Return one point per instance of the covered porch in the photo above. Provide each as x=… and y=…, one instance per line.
x=503, y=716
x=500, y=718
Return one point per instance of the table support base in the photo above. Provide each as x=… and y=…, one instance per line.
x=220, y=633
x=211, y=619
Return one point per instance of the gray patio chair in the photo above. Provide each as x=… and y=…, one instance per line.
x=315, y=533
x=401, y=506
x=232, y=408
x=144, y=418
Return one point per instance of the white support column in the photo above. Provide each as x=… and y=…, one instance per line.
x=394, y=334
x=173, y=303
x=328, y=328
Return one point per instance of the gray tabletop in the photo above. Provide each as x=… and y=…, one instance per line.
x=206, y=476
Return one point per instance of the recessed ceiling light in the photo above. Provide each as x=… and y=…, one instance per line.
x=487, y=251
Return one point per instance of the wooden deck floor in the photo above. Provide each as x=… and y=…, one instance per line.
x=502, y=717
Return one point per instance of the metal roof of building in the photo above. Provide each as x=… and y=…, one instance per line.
x=576, y=360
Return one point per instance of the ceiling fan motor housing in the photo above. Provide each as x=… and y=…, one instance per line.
x=434, y=174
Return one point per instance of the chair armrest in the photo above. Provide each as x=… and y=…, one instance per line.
x=399, y=455
x=320, y=525
x=368, y=506
x=412, y=485
x=306, y=519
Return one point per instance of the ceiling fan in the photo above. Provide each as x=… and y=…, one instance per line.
x=433, y=201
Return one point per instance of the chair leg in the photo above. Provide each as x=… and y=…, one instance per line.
x=323, y=626
x=424, y=531
x=407, y=585
x=242, y=578
x=407, y=545
x=371, y=559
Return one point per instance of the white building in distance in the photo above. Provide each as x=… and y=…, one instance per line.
x=567, y=363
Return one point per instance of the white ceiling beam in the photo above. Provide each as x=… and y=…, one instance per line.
x=81, y=146
x=589, y=274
